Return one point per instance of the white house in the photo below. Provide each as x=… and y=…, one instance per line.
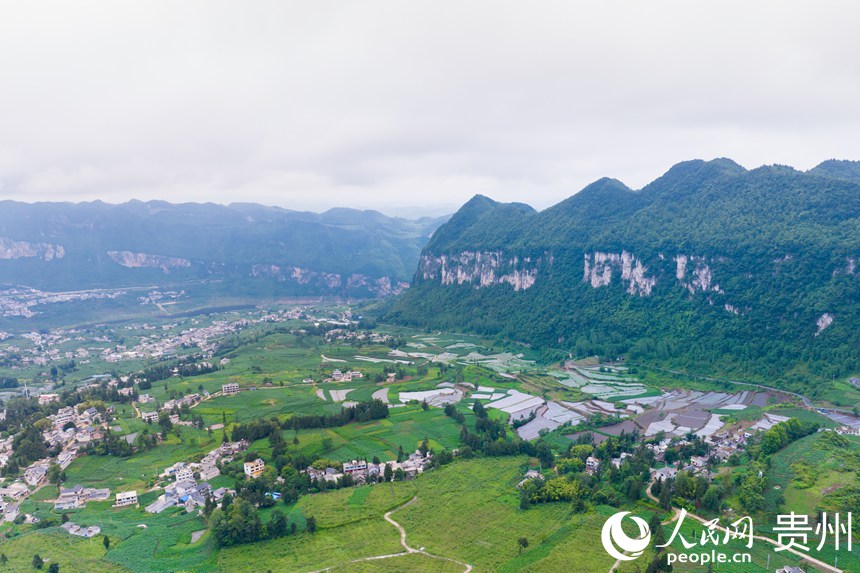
x=126, y=498
x=255, y=469
x=355, y=466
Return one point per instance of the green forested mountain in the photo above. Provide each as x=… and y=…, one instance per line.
x=711, y=268
x=246, y=247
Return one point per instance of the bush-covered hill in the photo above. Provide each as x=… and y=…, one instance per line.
x=711, y=267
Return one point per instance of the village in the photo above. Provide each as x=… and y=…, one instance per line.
x=153, y=341
x=197, y=399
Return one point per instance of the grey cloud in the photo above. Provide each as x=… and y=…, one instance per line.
x=400, y=104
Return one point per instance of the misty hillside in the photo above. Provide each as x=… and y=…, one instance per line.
x=64, y=246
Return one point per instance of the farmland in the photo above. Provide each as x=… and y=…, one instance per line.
x=467, y=511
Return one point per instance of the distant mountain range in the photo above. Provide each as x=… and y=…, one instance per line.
x=711, y=267
x=248, y=248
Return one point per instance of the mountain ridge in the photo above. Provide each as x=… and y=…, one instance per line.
x=707, y=261
x=68, y=246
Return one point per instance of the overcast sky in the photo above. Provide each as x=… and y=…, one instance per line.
x=400, y=104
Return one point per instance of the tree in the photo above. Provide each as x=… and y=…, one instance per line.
x=106, y=542
x=544, y=454
x=479, y=410
x=164, y=421
x=523, y=543
x=208, y=506
x=54, y=568
x=277, y=526
x=55, y=473
x=37, y=561
x=3, y=559
x=387, y=473
x=311, y=524
x=656, y=528
x=713, y=498
x=238, y=524
x=666, y=496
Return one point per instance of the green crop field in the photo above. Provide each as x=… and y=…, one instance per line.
x=410, y=562
x=468, y=511
x=137, y=471
x=842, y=394
x=140, y=542
x=73, y=554
x=407, y=427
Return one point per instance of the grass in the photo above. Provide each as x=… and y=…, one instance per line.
x=411, y=562
x=310, y=552
x=350, y=526
x=470, y=512
x=842, y=394
x=832, y=468
x=805, y=416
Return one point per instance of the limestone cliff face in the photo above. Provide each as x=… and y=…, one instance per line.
x=823, y=322
x=132, y=260
x=695, y=274
x=600, y=267
x=333, y=282
x=11, y=249
x=638, y=275
x=481, y=269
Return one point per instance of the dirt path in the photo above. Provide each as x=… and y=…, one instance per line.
x=408, y=550
x=381, y=394
x=677, y=513
x=136, y=409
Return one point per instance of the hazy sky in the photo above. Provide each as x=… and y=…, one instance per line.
x=403, y=103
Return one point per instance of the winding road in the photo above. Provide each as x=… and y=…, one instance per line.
x=408, y=550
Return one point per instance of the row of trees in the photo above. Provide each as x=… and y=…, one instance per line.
x=361, y=412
